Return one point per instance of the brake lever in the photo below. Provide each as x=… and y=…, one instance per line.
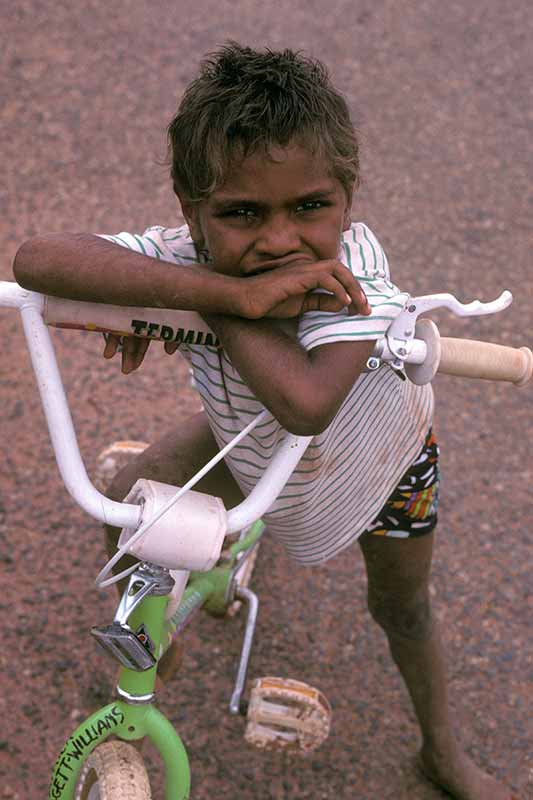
x=399, y=339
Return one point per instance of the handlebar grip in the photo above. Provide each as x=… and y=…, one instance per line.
x=472, y=359
x=468, y=358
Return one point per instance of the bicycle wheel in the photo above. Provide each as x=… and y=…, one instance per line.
x=114, y=771
x=112, y=459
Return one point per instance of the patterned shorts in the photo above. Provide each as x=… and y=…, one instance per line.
x=411, y=509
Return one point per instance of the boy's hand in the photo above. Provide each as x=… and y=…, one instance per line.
x=280, y=292
x=133, y=350
x=290, y=291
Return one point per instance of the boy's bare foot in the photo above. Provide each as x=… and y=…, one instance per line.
x=457, y=774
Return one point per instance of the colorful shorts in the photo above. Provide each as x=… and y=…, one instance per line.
x=411, y=509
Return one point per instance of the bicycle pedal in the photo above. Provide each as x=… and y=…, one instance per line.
x=284, y=714
x=130, y=649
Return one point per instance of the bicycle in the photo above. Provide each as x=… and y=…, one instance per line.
x=177, y=575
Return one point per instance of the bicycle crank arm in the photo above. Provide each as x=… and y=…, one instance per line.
x=237, y=706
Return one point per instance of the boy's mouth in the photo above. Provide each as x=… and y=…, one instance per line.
x=268, y=266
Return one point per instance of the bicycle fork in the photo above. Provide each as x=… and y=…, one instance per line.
x=134, y=638
x=127, y=722
x=135, y=642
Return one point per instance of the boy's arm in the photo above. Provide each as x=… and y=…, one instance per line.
x=87, y=267
x=302, y=389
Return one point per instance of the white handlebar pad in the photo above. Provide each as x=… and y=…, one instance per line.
x=168, y=325
x=471, y=359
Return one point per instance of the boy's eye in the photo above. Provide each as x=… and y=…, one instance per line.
x=246, y=214
x=311, y=205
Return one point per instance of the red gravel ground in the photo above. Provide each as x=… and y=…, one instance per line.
x=443, y=94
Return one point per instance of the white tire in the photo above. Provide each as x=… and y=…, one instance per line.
x=112, y=459
x=114, y=771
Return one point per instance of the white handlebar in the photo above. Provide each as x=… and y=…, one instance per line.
x=61, y=428
x=34, y=309
x=167, y=324
x=425, y=354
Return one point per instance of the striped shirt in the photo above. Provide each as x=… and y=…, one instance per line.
x=349, y=470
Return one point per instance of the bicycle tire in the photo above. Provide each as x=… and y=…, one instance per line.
x=113, y=771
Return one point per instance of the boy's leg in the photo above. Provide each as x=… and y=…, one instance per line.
x=173, y=459
x=398, y=598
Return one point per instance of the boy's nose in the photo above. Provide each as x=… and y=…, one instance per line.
x=277, y=237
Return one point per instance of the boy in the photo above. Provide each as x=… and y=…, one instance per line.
x=265, y=162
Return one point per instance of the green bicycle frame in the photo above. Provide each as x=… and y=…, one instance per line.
x=128, y=721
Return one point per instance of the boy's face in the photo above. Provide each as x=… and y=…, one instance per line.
x=271, y=212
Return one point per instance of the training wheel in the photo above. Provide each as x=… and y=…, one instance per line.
x=284, y=714
x=112, y=459
x=242, y=579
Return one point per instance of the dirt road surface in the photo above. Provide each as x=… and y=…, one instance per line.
x=443, y=96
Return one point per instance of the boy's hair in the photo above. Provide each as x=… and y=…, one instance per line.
x=246, y=101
